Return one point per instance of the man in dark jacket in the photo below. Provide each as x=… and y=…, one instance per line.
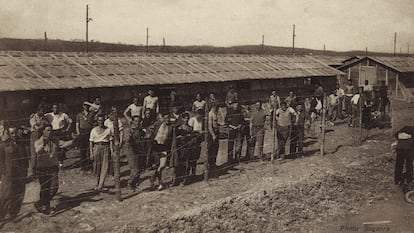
x=45, y=167
x=257, y=130
x=298, y=132
x=404, y=148
x=84, y=125
x=13, y=171
x=134, y=151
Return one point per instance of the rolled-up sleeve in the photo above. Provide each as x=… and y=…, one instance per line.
x=92, y=136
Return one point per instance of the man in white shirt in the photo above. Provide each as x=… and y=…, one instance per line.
x=284, y=123
x=134, y=109
x=368, y=89
x=341, y=96
x=59, y=120
x=61, y=124
x=100, y=146
x=151, y=102
x=109, y=123
x=354, y=121
x=196, y=122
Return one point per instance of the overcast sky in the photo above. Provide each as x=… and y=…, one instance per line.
x=340, y=24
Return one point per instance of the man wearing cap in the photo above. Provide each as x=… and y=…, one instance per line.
x=84, y=125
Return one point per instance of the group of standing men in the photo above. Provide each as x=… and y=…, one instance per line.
x=289, y=116
x=42, y=146
x=347, y=102
x=154, y=133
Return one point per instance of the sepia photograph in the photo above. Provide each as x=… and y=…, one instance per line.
x=217, y=116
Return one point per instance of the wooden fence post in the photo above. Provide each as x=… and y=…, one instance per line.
x=323, y=125
x=116, y=160
x=392, y=118
x=205, y=147
x=274, y=135
x=361, y=102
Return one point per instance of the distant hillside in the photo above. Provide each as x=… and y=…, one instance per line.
x=79, y=46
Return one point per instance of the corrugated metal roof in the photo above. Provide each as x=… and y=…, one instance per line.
x=42, y=71
x=331, y=60
x=398, y=64
x=401, y=64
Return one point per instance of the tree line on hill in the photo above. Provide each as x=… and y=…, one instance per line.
x=94, y=46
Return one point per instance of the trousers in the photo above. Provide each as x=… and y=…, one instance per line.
x=257, y=139
x=404, y=158
x=283, y=133
x=83, y=141
x=101, y=156
x=234, y=148
x=212, y=149
x=133, y=164
x=49, y=184
x=297, y=137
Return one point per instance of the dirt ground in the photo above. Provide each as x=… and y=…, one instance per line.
x=339, y=192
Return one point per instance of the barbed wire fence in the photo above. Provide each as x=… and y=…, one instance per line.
x=318, y=130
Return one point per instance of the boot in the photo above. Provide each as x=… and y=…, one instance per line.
x=153, y=178
x=160, y=186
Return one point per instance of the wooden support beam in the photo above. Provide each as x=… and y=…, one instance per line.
x=323, y=125
x=386, y=77
x=396, y=86
x=117, y=144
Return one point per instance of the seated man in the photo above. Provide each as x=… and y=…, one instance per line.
x=404, y=148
